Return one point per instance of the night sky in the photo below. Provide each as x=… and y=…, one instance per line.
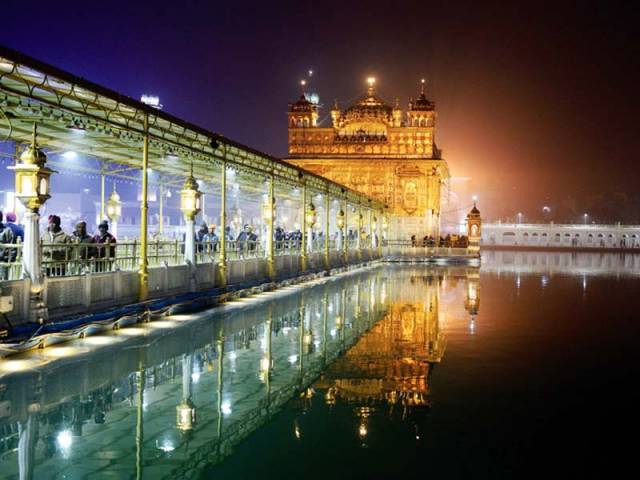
x=537, y=104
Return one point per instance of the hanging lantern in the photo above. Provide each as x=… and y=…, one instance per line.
x=32, y=176
x=340, y=219
x=190, y=197
x=311, y=215
x=114, y=206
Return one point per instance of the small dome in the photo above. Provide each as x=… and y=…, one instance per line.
x=302, y=105
x=422, y=104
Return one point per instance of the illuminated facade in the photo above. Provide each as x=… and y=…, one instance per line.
x=379, y=150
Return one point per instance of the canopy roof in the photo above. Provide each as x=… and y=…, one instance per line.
x=75, y=114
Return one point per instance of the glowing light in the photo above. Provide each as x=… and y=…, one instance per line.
x=371, y=81
x=162, y=324
x=101, y=340
x=10, y=366
x=303, y=83
x=151, y=100
x=233, y=356
x=195, y=377
x=474, y=198
x=64, y=440
x=225, y=408
x=311, y=73
x=293, y=359
x=59, y=352
x=132, y=331
x=362, y=430
x=70, y=155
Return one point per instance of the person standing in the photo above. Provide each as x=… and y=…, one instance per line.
x=55, y=249
x=105, y=247
x=84, y=242
x=211, y=239
x=16, y=228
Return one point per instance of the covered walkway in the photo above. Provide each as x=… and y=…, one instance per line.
x=263, y=219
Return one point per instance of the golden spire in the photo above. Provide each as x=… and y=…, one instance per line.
x=422, y=84
x=371, y=81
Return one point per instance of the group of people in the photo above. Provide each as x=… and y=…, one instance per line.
x=208, y=240
x=59, y=248
x=454, y=241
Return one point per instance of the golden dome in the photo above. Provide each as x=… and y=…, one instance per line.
x=32, y=154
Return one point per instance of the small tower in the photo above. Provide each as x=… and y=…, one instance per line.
x=474, y=229
x=335, y=115
x=422, y=111
x=303, y=113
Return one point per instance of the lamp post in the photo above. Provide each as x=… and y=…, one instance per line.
x=585, y=217
x=114, y=210
x=32, y=189
x=190, y=206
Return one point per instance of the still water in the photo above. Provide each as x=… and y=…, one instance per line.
x=525, y=367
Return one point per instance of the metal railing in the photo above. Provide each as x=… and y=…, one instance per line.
x=63, y=259
x=407, y=248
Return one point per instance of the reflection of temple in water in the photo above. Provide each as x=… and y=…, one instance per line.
x=390, y=364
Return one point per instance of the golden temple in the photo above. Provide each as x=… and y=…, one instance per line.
x=379, y=150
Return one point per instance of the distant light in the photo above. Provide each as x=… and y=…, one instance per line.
x=371, y=81
x=150, y=171
x=169, y=193
x=474, y=198
x=546, y=209
x=70, y=155
x=233, y=356
x=195, y=377
x=423, y=81
x=151, y=100
x=303, y=83
x=293, y=359
x=225, y=408
x=311, y=73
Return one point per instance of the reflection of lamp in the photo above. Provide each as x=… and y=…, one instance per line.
x=185, y=415
x=311, y=215
x=340, y=219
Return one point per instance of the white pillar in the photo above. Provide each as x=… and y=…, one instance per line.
x=32, y=266
x=31, y=255
x=114, y=228
x=190, y=242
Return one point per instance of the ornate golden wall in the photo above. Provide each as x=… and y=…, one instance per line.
x=369, y=148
